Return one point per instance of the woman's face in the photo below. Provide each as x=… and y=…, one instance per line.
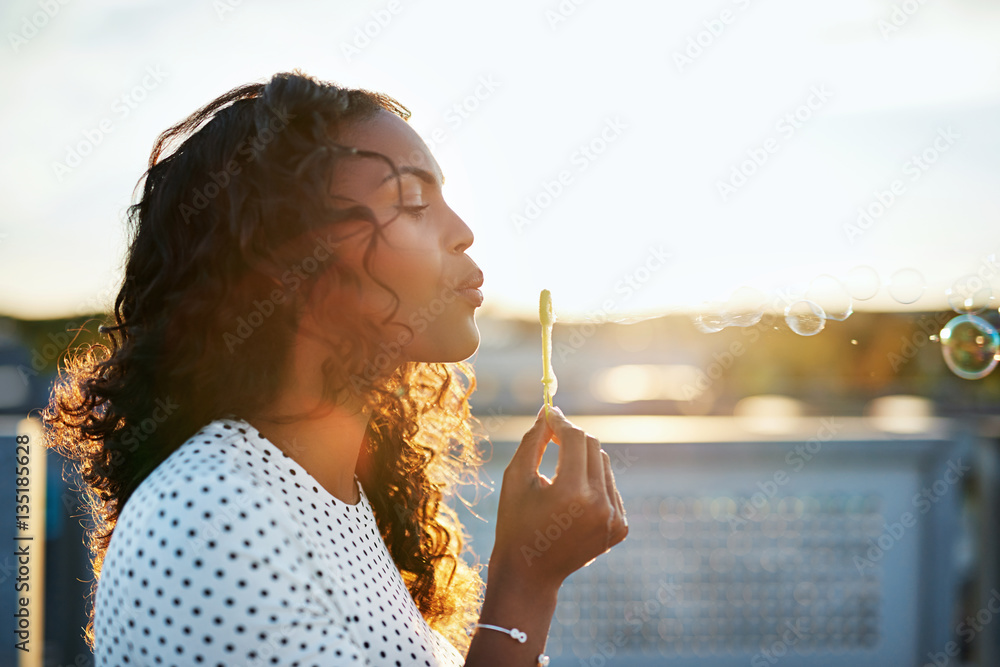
x=421, y=254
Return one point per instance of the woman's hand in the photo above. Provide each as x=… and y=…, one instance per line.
x=546, y=530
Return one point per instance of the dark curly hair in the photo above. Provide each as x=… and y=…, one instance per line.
x=234, y=209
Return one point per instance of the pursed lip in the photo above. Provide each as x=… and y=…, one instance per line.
x=469, y=289
x=474, y=282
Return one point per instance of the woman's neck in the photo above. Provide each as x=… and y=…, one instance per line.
x=327, y=447
x=323, y=437
x=329, y=440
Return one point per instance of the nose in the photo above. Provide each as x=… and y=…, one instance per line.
x=462, y=235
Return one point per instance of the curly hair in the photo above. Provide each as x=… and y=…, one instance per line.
x=224, y=242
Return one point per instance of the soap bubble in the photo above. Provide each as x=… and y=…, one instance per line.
x=862, y=282
x=805, y=318
x=970, y=346
x=710, y=318
x=969, y=295
x=907, y=286
x=745, y=307
x=830, y=294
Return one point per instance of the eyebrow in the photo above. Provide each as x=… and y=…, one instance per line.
x=422, y=174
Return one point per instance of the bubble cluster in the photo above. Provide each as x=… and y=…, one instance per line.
x=827, y=298
x=970, y=346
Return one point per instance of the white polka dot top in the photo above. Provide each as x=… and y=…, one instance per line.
x=229, y=553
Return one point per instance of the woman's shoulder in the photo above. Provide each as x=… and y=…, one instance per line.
x=207, y=486
x=218, y=459
x=205, y=549
x=227, y=479
x=209, y=504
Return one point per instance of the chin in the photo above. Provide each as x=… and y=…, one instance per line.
x=461, y=351
x=471, y=351
x=457, y=346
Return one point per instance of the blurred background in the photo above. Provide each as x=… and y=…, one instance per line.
x=770, y=232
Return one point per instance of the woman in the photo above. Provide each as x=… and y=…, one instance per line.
x=267, y=439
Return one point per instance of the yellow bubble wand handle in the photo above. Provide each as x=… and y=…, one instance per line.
x=547, y=317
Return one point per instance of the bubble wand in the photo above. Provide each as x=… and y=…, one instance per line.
x=546, y=316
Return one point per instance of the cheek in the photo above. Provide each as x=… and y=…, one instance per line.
x=415, y=275
x=401, y=277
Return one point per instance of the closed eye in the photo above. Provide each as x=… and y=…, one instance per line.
x=415, y=212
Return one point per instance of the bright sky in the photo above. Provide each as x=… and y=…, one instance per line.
x=730, y=143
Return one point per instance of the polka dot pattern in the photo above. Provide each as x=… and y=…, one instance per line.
x=230, y=553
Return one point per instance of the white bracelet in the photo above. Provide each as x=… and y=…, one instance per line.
x=519, y=635
x=541, y=661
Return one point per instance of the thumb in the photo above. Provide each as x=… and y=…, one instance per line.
x=528, y=455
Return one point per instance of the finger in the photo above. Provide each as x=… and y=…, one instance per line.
x=595, y=467
x=616, y=497
x=571, y=468
x=528, y=455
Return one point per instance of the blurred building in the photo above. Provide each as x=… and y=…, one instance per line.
x=766, y=478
